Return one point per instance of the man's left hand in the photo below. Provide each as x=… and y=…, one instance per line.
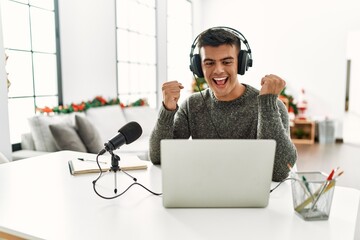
x=272, y=84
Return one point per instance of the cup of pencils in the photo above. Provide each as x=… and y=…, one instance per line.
x=312, y=194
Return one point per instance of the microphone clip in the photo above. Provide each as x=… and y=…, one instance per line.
x=114, y=162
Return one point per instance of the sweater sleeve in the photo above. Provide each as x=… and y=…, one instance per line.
x=274, y=124
x=170, y=125
x=164, y=129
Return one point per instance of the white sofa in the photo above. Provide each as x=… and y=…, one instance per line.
x=105, y=121
x=3, y=159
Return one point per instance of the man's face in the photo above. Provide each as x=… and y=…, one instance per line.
x=219, y=65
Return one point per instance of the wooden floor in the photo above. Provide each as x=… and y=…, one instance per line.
x=325, y=157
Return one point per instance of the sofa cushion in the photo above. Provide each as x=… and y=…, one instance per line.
x=66, y=137
x=107, y=120
x=39, y=127
x=27, y=141
x=144, y=115
x=3, y=159
x=88, y=134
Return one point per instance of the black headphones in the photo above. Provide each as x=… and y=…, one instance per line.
x=244, y=58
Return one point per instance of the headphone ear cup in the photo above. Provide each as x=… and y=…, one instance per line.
x=196, y=66
x=243, y=62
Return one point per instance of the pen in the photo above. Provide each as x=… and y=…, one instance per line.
x=307, y=187
x=317, y=193
x=291, y=169
x=329, y=178
x=90, y=160
x=309, y=199
x=338, y=175
x=289, y=166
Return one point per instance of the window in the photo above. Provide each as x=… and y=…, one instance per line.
x=34, y=69
x=179, y=40
x=32, y=66
x=136, y=50
x=136, y=47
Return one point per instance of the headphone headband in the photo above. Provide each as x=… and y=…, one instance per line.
x=244, y=59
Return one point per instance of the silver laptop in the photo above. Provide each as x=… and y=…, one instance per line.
x=216, y=173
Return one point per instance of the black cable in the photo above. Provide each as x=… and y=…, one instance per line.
x=207, y=109
x=118, y=195
x=290, y=178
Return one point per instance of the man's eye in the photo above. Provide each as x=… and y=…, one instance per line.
x=209, y=63
x=227, y=62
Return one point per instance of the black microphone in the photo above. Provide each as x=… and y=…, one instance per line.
x=127, y=134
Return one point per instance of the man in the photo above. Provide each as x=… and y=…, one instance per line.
x=227, y=109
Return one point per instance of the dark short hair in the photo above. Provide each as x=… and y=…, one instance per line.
x=218, y=36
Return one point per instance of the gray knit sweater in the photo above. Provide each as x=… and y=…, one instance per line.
x=251, y=116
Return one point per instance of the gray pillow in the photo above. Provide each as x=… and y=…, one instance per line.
x=66, y=137
x=88, y=134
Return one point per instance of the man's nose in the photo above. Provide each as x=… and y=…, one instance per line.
x=219, y=67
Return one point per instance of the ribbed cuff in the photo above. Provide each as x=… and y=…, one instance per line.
x=166, y=117
x=268, y=102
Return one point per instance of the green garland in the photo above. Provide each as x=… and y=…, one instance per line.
x=83, y=106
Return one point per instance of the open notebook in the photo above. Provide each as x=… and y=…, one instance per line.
x=88, y=165
x=216, y=173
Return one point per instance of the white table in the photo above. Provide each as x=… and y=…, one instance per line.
x=40, y=199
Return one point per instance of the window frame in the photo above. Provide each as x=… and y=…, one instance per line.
x=34, y=96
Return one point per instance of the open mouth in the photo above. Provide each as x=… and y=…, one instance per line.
x=220, y=81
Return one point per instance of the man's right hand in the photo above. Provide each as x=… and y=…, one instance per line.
x=171, y=94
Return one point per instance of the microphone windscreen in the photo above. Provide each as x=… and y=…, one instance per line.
x=131, y=132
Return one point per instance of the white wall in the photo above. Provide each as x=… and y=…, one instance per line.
x=304, y=42
x=161, y=52
x=353, y=53
x=88, y=49
x=5, y=145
